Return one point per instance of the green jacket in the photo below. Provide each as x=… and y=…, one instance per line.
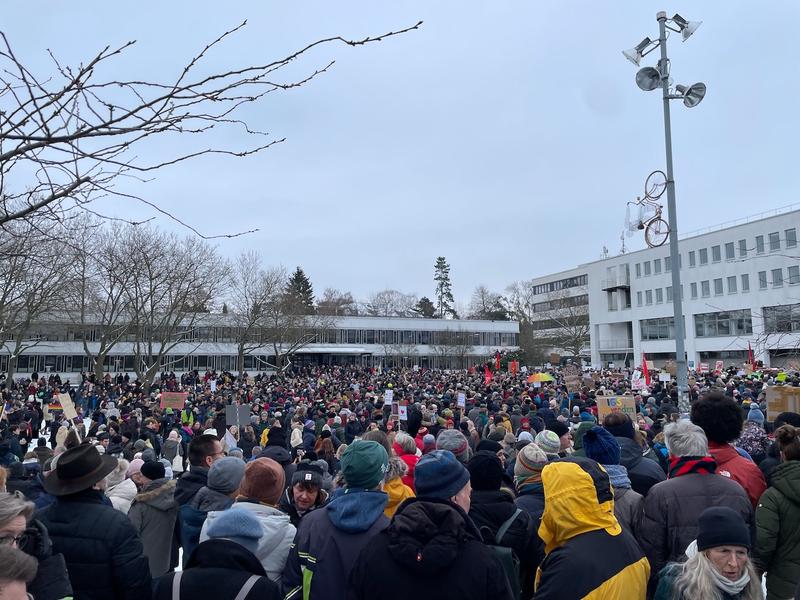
x=777, y=531
x=666, y=585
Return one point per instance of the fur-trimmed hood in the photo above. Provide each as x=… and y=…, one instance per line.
x=159, y=494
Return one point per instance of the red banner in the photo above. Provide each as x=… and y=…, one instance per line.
x=497, y=361
x=513, y=367
x=487, y=375
x=645, y=370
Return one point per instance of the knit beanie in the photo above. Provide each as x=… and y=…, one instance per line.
x=558, y=428
x=308, y=473
x=237, y=525
x=601, y=446
x=498, y=434
x=755, y=415
x=134, y=467
x=439, y=474
x=364, y=464
x=548, y=441
x=721, y=526
x=489, y=445
x=524, y=436
x=485, y=471
x=152, y=469
x=263, y=480
x=429, y=440
x=454, y=441
x=530, y=461
x=226, y=474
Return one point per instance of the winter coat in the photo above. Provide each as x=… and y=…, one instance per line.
x=219, y=569
x=671, y=509
x=328, y=542
x=643, y=472
x=531, y=500
x=394, y=486
x=309, y=440
x=189, y=484
x=431, y=549
x=276, y=437
x=173, y=452
x=207, y=500
x=277, y=534
x=287, y=505
x=411, y=461
x=628, y=505
x=352, y=430
x=153, y=515
x=104, y=556
x=191, y=523
x=296, y=439
x=778, y=530
x=754, y=441
x=666, y=586
x=745, y=472
x=122, y=495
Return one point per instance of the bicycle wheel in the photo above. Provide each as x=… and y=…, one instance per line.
x=656, y=232
x=655, y=184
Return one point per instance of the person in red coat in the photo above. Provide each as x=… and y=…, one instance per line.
x=406, y=450
x=722, y=420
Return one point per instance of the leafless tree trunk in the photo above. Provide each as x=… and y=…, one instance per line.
x=391, y=303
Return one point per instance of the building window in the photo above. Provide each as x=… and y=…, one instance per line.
x=718, y=287
x=729, y=251
x=658, y=329
x=791, y=237
x=742, y=248
x=705, y=288
x=762, y=280
x=638, y=270
x=659, y=296
x=782, y=319
x=638, y=298
x=657, y=266
x=774, y=241
x=648, y=297
x=669, y=293
x=691, y=258
x=745, y=282
x=793, y=275
x=732, y=284
x=647, y=269
x=694, y=290
x=760, y=244
x=716, y=254
x=777, y=277
x=726, y=323
x=703, y=256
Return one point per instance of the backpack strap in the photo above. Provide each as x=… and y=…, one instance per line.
x=176, y=586
x=248, y=585
x=505, y=526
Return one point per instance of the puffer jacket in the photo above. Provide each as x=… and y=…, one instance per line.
x=754, y=441
x=745, y=472
x=207, y=500
x=153, y=514
x=189, y=484
x=431, y=549
x=627, y=501
x=328, y=542
x=671, y=509
x=643, y=472
x=122, y=495
x=104, y=556
x=411, y=460
x=277, y=534
x=778, y=530
x=394, y=487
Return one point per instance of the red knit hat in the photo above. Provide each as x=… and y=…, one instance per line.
x=263, y=480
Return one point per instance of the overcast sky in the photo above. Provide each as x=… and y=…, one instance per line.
x=506, y=136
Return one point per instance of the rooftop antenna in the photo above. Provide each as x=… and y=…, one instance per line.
x=604, y=253
x=622, y=239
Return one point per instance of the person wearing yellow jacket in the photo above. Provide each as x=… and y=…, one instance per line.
x=587, y=554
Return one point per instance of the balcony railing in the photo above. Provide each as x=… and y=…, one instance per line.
x=614, y=283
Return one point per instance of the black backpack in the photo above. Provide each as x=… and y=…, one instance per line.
x=506, y=556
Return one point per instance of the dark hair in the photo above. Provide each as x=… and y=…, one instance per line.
x=376, y=435
x=15, y=565
x=615, y=419
x=201, y=447
x=787, y=436
x=719, y=416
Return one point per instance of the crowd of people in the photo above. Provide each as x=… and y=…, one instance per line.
x=357, y=483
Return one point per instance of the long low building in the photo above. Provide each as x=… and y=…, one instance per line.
x=58, y=346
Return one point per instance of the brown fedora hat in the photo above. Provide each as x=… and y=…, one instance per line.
x=78, y=469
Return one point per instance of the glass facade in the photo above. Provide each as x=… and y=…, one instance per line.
x=782, y=319
x=726, y=323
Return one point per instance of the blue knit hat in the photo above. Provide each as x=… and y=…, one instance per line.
x=755, y=415
x=600, y=445
x=438, y=474
x=237, y=525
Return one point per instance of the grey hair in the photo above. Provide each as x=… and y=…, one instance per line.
x=695, y=580
x=13, y=505
x=684, y=438
x=15, y=565
x=406, y=442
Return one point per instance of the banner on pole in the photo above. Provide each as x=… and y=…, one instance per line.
x=462, y=400
x=173, y=399
x=68, y=406
x=388, y=395
x=611, y=404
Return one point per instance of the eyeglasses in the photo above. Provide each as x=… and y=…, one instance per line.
x=8, y=540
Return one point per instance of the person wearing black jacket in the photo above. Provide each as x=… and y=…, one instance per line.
x=203, y=451
x=353, y=429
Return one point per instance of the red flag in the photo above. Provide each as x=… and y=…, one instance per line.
x=487, y=375
x=645, y=370
x=750, y=358
x=497, y=360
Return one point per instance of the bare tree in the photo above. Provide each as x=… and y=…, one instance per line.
x=568, y=314
x=487, y=305
x=337, y=303
x=172, y=279
x=522, y=305
x=391, y=303
x=67, y=138
x=454, y=344
x=288, y=329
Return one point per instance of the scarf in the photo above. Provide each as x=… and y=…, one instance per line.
x=728, y=586
x=683, y=465
x=618, y=475
x=526, y=485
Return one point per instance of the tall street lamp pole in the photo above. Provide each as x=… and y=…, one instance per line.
x=648, y=79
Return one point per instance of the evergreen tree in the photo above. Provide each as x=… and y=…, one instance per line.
x=444, y=289
x=425, y=308
x=299, y=295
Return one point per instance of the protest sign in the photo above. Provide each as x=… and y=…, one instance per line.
x=703, y=367
x=173, y=399
x=588, y=381
x=237, y=415
x=572, y=378
x=555, y=358
x=611, y=404
x=664, y=377
x=462, y=400
x=671, y=367
x=213, y=385
x=782, y=398
x=68, y=406
x=748, y=368
x=388, y=395
x=402, y=411
x=719, y=366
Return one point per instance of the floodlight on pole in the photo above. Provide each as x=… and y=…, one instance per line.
x=636, y=53
x=648, y=79
x=692, y=95
x=687, y=28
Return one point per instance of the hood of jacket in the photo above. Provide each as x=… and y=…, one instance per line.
x=577, y=499
x=207, y=500
x=125, y=489
x=630, y=453
x=159, y=494
x=425, y=535
x=354, y=511
x=786, y=479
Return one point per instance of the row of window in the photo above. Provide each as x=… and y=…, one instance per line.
x=782, y=319
x=560, y=303
x=729, y=250
x=561, y=284
x=777, y=319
